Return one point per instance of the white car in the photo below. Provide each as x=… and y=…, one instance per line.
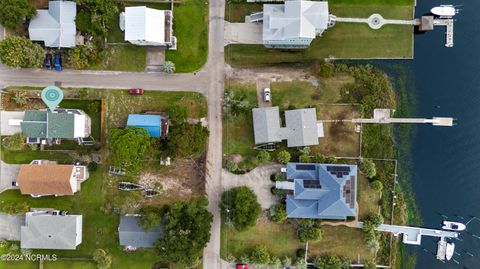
x=266, y=95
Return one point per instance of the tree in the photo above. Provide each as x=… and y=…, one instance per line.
x=283, y=157
x=377, y=185
x=287, y=261
x=102, y=258
x=14, y=142
x=278, y=213
x=275, y=262
x=263, y=157
x=169, y=67
x=17, y=51
x=20, y=98
x=371, y=236
x=177, y=112
x=100, y=14
x=13, y=12
x=128, y=147
x=239, y=205
x=186, y=232
x=150, y=217
x=368, y=168
x=260, y=255
x=188, y=139
x=309, y=230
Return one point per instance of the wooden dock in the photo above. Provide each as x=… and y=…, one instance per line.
x=448, y=23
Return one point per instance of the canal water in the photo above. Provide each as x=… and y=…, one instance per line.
x=445, y=161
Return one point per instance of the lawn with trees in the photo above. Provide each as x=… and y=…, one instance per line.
x=13, y=12
x=16, y=51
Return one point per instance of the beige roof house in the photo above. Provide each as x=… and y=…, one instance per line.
x=41, y=179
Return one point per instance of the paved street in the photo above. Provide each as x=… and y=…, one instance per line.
x=10, y=226
x=209, y=81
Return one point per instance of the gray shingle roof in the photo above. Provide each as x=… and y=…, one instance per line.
x=301, y=126
x=55, y=26
x=132, y=234
x=51, y=232
x=329, y=201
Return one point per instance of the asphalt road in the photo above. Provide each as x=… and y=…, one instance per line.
x=209, y=81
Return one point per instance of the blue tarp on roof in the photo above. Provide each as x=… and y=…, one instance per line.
x=151, y=123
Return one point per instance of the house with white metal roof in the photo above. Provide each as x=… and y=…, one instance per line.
x=55, y=26
x=51, y=230
x=301, y=126
x=294, y=24
x=321, y=191
x=149, y=27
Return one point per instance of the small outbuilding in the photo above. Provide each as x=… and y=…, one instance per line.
x=133, y=236
x=156, y=125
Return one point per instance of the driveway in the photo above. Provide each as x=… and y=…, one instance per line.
x=6, y=117
x=261, y=85
x=10, y=226
x=258, y=180
x=8, y=173
x=155, y=59
x=243, y=33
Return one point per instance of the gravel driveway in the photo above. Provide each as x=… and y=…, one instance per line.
x=258, y=180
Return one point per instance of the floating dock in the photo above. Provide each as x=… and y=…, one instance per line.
x=441, y=249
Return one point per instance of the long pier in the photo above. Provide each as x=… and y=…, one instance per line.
x=413, y=235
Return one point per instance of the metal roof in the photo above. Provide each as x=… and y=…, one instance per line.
x=46, y=231
x=144, y=24
x=329, y=199
x=55, y=26
x=132, y=234
x=301, y=126
x=294, y=20
x=58, y=124
x=151, y=123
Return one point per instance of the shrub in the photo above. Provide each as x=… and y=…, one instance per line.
x=280, y=177
x=177, y=112
x=331, y=262
x=301, y=264
x=368, y=168
x=16, y=208
x=326, y=70
x=309, y=230
x=304, y=158
x=16, y=51
x=278, y=213
x=13, y=12
x=20, y=98
x=377, y=185
x=301, y=253
x=169, y=67
x=260, y=255
x=188, y=139
x=263, y=157
x=239, y=205
x=275, y=262
x=286, y=261
x=93, y=107
x=102, y=258
x=230, y=258
x=3, y=244
x=14, y=247
x=370, y=264
x=283, y=157
x=244, y=259
x=232, y=166
x=14, y=142
x=278, y=192
x=92, y=166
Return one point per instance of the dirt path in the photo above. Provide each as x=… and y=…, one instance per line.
x=272, y=74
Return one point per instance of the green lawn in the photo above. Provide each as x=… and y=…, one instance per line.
x=123, y=58
x=99, y=226
x=65, y=264
x=343, y=41
x=190, y=27
x=26, y=156
x=280, y=239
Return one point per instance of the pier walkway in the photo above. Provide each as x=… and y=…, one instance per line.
x=448, y=23
x=413, y=235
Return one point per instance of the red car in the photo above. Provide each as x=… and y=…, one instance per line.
x=135, y=91
x=242, y=266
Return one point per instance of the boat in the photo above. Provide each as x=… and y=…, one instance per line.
x=444, y=11
x=453, y=226
x=450, y=250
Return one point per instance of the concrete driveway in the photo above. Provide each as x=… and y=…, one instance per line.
x=258, y=180
x=8, y=173
x=10, y=226
x=243, y=33
x=5, y=117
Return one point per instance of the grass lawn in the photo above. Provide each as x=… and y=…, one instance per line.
x=344, y=40
x=123, y=58
x=280, y=240
x=26, y=156
x=99, y=228
x=19, y=265
x=190, y=27
x=341, y=241
x=368, y=199
x=65, y=264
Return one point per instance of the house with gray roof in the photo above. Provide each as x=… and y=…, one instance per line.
x=321, y=191
x=133, y=236
x=46, y=125
x=51, y=230
x=301, y=126
x=55, y=26
x=294, y=24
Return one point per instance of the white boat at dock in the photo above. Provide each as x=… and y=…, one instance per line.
x=444, y=11
x=453, y=226
x=449, y=251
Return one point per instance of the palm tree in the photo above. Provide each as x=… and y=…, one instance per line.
x=169, y=67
